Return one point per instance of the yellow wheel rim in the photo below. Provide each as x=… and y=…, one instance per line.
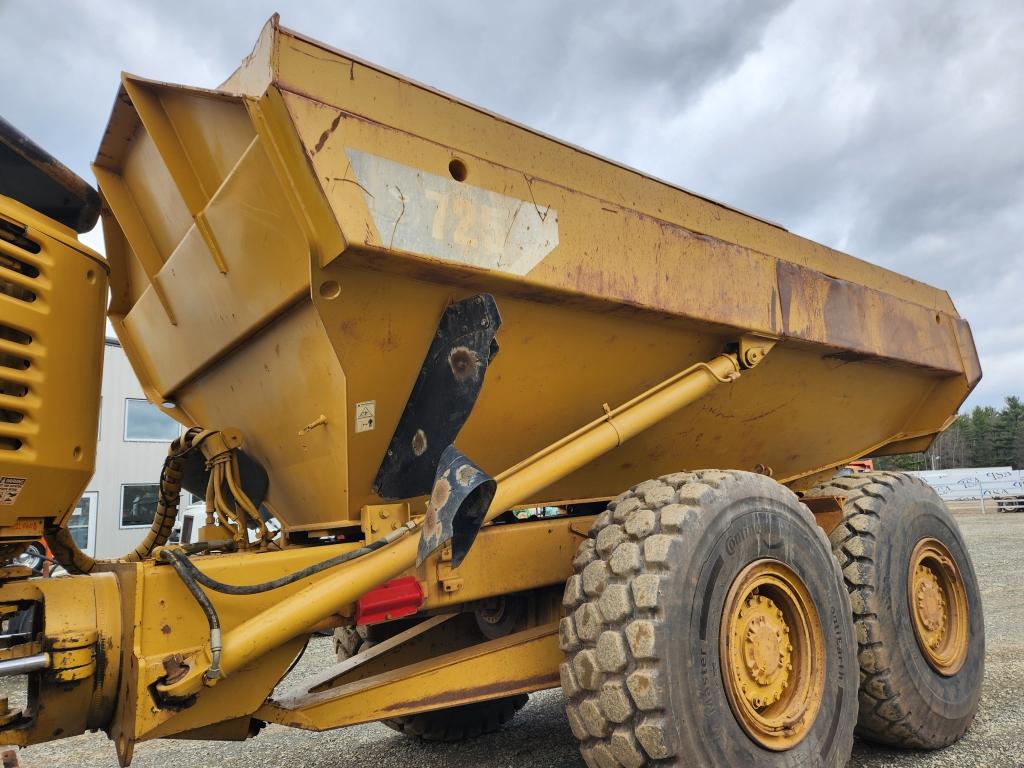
x=938, y=606
x=773, y=654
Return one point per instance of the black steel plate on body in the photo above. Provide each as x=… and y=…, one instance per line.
x=442, y=397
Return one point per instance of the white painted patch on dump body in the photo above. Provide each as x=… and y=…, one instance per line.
x=439, y=217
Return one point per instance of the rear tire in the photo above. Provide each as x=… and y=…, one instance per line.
x=460, y=723
x=645, y=651
x=449, y=725
x=910, y=696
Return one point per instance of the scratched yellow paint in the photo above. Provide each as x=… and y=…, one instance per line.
x=281, y=251
x=336, y=201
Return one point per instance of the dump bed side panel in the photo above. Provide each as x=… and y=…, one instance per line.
x=394, y=193
x=281, y=260
x=322, y=74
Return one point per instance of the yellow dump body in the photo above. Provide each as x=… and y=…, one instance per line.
x=283, y=248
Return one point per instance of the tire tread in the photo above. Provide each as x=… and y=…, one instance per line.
x=619, y=711
x=883, y=717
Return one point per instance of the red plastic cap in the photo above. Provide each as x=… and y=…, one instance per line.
x=399, y=597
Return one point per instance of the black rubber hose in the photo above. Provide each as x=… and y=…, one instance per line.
x=66, y=550
x=181, y=565
x=198, y=547
x=192, y=577
x=266, y=586
x=179, y=562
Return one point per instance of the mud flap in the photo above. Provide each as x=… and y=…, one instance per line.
x=459, y=500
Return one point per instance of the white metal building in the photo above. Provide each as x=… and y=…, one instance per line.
x=995, y=488
x=118, y=507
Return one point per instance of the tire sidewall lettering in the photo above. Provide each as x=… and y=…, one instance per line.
x=738, y=536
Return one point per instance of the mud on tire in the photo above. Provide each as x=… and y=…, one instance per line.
x=904, y=702
x=641, y=634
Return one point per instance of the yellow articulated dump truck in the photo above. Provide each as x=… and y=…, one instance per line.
x=501, y=414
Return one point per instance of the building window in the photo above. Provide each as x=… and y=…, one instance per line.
x=143, y=421
x=138, y=504
x=187, y=523
x=82, y=523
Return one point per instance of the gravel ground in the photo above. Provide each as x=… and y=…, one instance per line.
x=539, y=737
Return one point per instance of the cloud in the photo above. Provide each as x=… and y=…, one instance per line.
x=889, y=130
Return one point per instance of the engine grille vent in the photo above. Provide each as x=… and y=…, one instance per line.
x=19, y=280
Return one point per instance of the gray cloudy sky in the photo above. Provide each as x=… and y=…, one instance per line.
x=893, y=131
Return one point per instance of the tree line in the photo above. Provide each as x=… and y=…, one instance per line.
x=984, y=437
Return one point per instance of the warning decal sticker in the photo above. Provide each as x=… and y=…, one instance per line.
x=365, y=415
x=10, y=487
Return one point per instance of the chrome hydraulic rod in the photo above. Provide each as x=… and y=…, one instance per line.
x=344, y=585
x=24, y=665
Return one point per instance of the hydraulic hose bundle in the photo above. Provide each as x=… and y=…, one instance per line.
x=67, y=552
x=227, y=505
